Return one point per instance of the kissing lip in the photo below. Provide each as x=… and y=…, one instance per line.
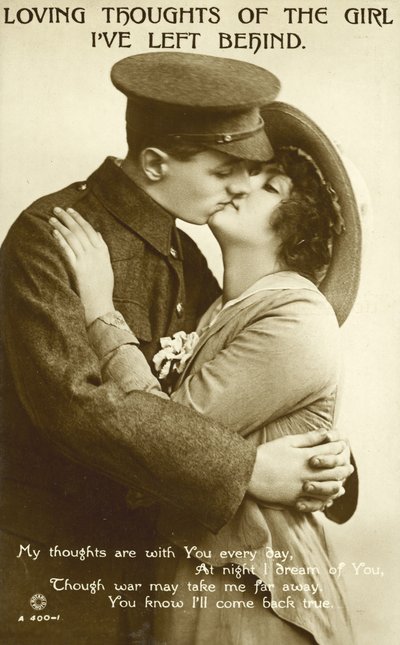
x=230, y=203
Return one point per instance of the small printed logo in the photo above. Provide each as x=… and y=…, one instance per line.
x=38, y=601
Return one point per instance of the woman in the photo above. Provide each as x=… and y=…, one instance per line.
x=266, y=363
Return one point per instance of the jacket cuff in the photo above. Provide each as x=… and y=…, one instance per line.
x=231, y=493
x=107, y=333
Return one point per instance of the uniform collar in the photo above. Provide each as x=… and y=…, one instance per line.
x=132, y=206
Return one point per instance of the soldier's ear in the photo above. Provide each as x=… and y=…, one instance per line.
x=154, y=163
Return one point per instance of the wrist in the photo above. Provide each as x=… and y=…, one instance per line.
x=96, y=311
x=259, y=484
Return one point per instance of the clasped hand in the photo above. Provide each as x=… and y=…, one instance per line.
x=306, y=470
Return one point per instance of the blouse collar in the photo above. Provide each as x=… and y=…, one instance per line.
x=272, y=282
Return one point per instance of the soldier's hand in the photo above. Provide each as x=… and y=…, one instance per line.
x=285, y=466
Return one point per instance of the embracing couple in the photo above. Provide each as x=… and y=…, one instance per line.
x=237, y=451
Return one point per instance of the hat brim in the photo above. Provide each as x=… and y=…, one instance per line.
x=257, y=147
x=288, y=126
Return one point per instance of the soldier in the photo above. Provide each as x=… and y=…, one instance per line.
x=73, y=445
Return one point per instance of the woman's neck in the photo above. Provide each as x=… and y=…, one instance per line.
x=243, y=267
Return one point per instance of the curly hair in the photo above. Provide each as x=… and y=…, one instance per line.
x=308, y=219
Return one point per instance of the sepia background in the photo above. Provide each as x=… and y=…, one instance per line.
x=60, y=116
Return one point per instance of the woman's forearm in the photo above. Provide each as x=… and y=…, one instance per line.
x=120, y=358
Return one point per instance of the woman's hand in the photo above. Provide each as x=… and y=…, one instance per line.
x=89, y=258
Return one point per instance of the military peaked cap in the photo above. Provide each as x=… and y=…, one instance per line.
x=193, y=98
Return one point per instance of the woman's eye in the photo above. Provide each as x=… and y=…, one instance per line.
x=270, y=188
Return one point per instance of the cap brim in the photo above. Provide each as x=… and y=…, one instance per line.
x=254, y=148
x=288, y=126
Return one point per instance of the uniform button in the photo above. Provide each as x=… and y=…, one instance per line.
x=173, y=252
x=179, y=309
x=81, y=187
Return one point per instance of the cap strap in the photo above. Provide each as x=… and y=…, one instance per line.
x=225, y=137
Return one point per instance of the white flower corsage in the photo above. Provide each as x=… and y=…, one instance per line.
x=174, y=353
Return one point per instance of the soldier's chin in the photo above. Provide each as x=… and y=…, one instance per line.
x=217, y=221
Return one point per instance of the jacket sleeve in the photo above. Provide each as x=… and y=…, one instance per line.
x=135, y=438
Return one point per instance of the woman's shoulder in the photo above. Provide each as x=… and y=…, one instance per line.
x=287, y=295
x=284, y=314
x=298, y=319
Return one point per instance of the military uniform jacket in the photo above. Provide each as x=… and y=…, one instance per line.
x=71, y=443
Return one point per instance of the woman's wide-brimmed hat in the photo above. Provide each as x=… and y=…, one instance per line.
x=287, y=126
